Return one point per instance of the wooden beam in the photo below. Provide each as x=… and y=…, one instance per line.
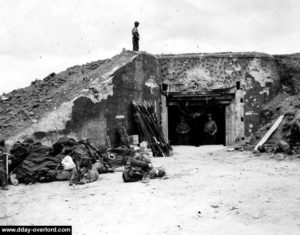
x=269, y=133
x=204, y=98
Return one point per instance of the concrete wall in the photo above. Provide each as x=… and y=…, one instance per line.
x=201, y=73
x=137, y=80
x=88, y=121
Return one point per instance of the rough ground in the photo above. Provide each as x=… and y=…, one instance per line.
x=209, y=191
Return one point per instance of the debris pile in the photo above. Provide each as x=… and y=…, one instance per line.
x=137, y=164
x=77, y=161
x=150, y=129
x=286, y=137
x=33, y=162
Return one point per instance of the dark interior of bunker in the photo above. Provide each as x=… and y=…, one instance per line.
x=195, y=113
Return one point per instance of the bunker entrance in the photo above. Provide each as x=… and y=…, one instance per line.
x=195, y=119
x=187, y=118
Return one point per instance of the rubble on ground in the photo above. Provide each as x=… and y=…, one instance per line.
x=287, y=136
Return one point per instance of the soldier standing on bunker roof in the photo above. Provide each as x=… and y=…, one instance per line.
x=135, y=36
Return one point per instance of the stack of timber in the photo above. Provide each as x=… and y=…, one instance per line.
x=150, y=130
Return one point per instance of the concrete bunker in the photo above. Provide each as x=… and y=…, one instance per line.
x=234, y=87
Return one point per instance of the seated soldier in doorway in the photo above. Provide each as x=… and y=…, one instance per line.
x=210, y=129
x=183, y=129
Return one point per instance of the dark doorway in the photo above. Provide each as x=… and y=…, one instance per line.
x=195, y=115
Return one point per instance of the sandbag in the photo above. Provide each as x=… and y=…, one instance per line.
x=19, y=151
x=63, y=144
x=131, y=174
x=157, y=172
x=37, y=164
x=137, y=163
x=118, y=156
x=13, y=179
x=101, y=167
x=83, y=176
x=62, y=175
x=81, y=158
x=284, y=146
x=68, y=163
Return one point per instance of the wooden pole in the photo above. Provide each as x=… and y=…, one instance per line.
x=269, y=133
x=6, y=164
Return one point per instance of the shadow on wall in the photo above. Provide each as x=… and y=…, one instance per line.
x=88, y=121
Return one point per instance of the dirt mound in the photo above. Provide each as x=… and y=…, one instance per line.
x=286, y=103
x=20, y=108
x=289, y=129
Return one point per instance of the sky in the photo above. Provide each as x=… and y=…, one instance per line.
x=38, y=37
